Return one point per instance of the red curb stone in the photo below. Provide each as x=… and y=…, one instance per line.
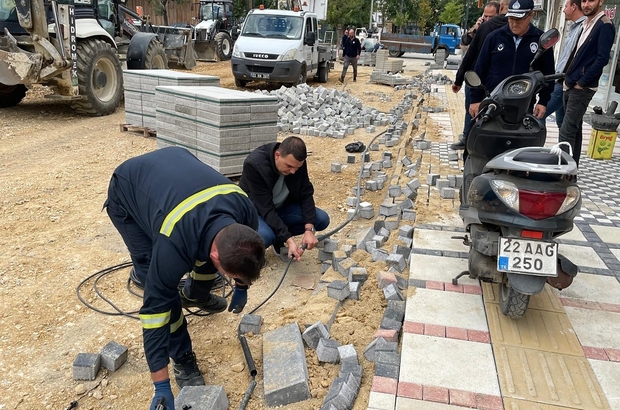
x=610, y=307
x=613, y=354
x=572, y=302
x=413, y=327
x=594, y=353
x=410, y=390
x=435, y=330
x=431, y=284
x=478, y=336
x=472, y=289
x=456, y=333
x=384, y=385
x=462, y=398
x=384, y=278
x=453, y=288
x=436, y=394
x=387, y=334
x=488, y=402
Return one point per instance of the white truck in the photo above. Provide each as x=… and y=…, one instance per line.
x=281, y=46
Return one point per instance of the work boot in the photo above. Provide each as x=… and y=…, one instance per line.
x=186, y=372
x=214, y=304
x=462, y=142
x=135, y=280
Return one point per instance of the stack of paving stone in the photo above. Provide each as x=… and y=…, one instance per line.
x=380, y=77
x=385, y=65
x=140, y=92
x=220, y=126
x=369, y=59
x=323, y=112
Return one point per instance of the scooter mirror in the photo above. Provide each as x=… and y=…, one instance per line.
x=472, y=79
x=549, y=38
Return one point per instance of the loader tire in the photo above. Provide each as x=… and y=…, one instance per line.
x=223, y=46
x=100, y=78
x=511, y=302
x=394, y=53
x=155, y=58
x=11, y=95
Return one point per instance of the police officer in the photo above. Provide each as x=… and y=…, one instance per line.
x=177, y=215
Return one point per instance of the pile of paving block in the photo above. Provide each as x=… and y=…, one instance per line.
x=447, y=186
x=86, y=365
x=139, y=86
x=385, y=65
x=367, y=59
x=324, y=112
x=379, y=77
x=218, y=125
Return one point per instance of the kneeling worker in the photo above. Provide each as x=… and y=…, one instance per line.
x=275, y=177
x=177, y=215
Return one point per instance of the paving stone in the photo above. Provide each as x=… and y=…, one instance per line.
x=402, y=250
x=285, y=373
x=86, y=366
x=347, y=353
x=358, y=274
x=447, y=193
x=406, y=231
x=314, y=333
x=378, y=255
x=392, y=222
x=250, y=323
x=364, y=236
x=391, y=292
x=331, y=245
x=113, y=355
x=336, y=167
x=385, y=278
x=327, y=351
x=390, y=335
x=338, y=290
x=387, y=370
x=397, y=262
x=354, y=290
x=202, y=398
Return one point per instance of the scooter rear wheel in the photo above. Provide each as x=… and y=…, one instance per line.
x=511, y=302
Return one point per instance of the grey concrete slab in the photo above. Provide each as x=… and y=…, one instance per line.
x=438, y=268
x=449, y=309
x=202, y=398
x=609, y=234
x=582, y=256
x=474, y=371
x=595, y=328
x=381, y=401
x=608, y=375
x=574, y=235
x=403, y=403
x=440, y=240
x=597, y=288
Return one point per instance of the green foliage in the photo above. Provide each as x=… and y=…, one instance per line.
x=425, y=19
x=452, y=13
x=354, y=13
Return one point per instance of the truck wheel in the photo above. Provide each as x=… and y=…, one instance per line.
x=511, y=302
x=100, y=79
x=323, y=74
x=240, y=83
x=155, y=58
x=303, y=75
x=223, y=46
x=11, y=95
x=402, y=53
x=394, y=53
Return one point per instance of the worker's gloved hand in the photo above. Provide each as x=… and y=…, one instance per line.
x=238, y=300
x=162, y=391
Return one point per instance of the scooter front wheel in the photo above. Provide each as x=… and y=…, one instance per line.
x=511, y=302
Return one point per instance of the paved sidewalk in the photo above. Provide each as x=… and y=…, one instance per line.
x=459, y=351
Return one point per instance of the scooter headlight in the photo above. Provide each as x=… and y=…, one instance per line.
x=572, y=197
x=507, y=192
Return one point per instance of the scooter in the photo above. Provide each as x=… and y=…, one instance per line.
x=517, y=196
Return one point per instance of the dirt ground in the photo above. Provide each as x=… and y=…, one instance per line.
x=55, y=167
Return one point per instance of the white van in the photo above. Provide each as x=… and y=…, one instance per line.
x=280, y=46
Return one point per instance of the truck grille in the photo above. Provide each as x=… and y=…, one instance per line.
x=259, y=69
x=261, y=56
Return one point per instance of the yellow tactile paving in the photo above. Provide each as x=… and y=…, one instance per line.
x=513, y=404
x=545, y=300
x=537, y=329
x=548, y=378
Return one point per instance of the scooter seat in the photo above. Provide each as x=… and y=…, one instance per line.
x=542, y=158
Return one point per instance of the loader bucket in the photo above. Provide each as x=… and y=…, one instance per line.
x=178, y=46
x=19, y=67
x=205, y=50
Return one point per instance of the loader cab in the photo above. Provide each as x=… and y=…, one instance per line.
x=8, y=18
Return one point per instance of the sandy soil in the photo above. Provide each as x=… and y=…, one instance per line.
x=55, y=167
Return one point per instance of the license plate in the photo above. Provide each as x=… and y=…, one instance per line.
x=531, y=257
x=259, y=75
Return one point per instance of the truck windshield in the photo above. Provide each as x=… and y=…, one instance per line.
x=286, y=27
x=210, y=11
x=7, y=10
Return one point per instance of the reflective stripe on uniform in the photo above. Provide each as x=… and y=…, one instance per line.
x=202, y=276
x=176, y=325
x=193, y=201
x=155, y=321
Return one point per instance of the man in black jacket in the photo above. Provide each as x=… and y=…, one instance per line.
x=352, y=48
x=275, y=177
x=177, y=215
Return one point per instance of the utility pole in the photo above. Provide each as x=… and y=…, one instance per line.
x=466, y=14
x=372, y=2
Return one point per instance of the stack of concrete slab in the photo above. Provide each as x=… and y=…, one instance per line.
x=220, y=126
x=140, y=91
x=366, y=58
x=389, y=79
x=385, y=65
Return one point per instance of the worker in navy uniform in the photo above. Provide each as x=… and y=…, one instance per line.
x=177, y=216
